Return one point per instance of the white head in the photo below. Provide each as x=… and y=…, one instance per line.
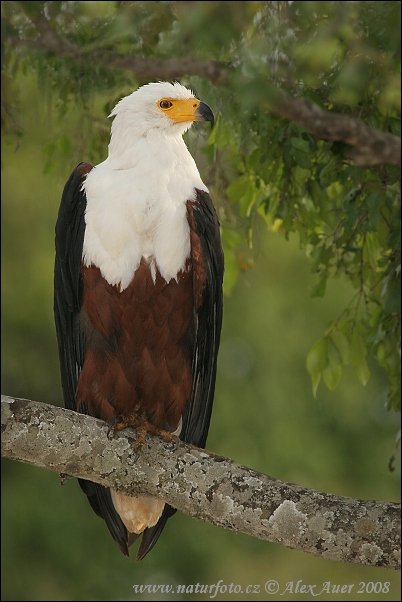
x=169, y=109
x=137, y=198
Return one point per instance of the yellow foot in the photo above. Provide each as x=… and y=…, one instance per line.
x=140, y=423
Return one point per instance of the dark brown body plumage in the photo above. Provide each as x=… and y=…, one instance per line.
x=138, y=351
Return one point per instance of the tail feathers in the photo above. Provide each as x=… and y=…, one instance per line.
x=100, y=499
x=132, y=538
x=150, y=536
x=101, y=502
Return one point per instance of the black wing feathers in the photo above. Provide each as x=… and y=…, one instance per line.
x=208, y=325
x=70, y=229
x=100, y=499
x=68, y=288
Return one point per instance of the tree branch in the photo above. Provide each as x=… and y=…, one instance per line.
x=203, y=485
x=371, y=147
x=143, y=68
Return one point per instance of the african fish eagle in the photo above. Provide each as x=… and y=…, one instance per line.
x=138, y=291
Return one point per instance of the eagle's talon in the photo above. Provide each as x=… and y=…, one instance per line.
x=175, y=443
x=112, y=427
x=64, y=478
x=137, y=455
x=139, y=445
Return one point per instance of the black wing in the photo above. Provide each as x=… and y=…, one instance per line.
x=68, y=288
x=208, y=323
x=70, y=229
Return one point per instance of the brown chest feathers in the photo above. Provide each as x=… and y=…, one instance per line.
x=138, y=346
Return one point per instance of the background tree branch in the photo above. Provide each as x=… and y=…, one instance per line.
x=141, y=67
x=370, y=146
x=203, y=485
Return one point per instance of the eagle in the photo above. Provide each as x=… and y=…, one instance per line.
x=138, y=292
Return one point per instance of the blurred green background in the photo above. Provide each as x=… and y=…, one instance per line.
x=265, y=416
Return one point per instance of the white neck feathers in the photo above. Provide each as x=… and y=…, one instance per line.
x=136, y=203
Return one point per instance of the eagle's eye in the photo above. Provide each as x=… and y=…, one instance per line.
x=165, y=104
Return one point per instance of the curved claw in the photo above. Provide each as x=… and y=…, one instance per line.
x=175, y=443
x=112, y=426
x=137, y=455
x=64, y=478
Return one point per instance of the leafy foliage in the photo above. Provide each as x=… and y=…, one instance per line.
x=271, y=173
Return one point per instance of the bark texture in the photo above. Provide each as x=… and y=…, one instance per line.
x=203, y=485
x=369, y=147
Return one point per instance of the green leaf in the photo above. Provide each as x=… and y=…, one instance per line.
x=243, y=191
x=373, y=202
x=375, y=317
x=372, y=249
x=393, y=295
x=222, y=135
x=239, y=188
x=363, y=372
x=317, y=358
x=351, y=195
x=303, y=159
x=382, y=355
x=358, y=353
x=318, y=290
x=351, y=215
x=231, y=271
x=331, y=375
x=342, y=345
x=321, y=256
x=300, y=144
x=315, y=381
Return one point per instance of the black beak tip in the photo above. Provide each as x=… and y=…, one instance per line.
x=204, y=113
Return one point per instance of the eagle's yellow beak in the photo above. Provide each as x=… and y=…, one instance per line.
x=190, y=109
